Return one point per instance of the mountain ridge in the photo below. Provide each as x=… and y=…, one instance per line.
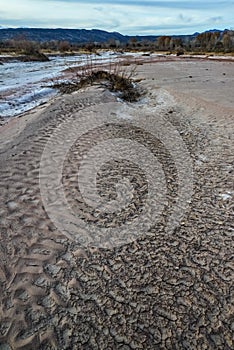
x=80, y=36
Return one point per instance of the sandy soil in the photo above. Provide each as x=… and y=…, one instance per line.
x=67, y=282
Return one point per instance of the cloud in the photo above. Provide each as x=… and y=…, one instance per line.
x=217, y=19
x=184, y=19
x=182, y=4
x=125, y=16
x=99, y=8
x=157, y=29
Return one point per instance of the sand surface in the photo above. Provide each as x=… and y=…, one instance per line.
x=76, y=276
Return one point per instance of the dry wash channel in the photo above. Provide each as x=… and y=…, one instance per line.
x=69, y=278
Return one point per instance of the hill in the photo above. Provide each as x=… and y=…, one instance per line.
x=73, y=36
x=70, y=35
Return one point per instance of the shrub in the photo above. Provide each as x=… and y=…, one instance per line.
x=115, y=79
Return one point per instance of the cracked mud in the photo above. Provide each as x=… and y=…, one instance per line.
x=159, y=290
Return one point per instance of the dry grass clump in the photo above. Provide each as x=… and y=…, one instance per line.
x=114, y=78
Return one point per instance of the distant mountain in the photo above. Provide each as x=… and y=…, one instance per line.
x=76, y=36
x=70, y=35
x=213, y=31
x=210, y=31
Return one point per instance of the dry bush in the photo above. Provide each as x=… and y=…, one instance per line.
x=113, y=76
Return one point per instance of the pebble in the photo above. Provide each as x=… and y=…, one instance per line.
x=12, y=206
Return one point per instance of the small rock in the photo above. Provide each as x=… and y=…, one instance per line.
x=12, y=205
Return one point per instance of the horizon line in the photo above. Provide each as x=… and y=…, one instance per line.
x=128, y=35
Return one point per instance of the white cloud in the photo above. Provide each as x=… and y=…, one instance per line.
x=128, y=17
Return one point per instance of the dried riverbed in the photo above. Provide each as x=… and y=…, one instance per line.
x=68, y=284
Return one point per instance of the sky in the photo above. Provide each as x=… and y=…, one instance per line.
x=129, y=17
